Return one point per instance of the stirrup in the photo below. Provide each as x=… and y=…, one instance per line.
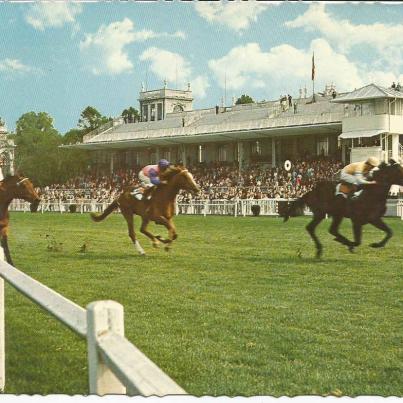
x=356, y=195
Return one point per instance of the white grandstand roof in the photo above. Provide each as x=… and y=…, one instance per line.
x=371, y=91
x=238, y=122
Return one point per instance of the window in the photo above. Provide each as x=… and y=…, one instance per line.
x=255, y=148
x=166, y=154
x=323, y=146
x=145, y=113
x=178, y=108
x=159, y=111
x=222, y=153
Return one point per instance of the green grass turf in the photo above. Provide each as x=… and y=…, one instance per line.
x=238, y=307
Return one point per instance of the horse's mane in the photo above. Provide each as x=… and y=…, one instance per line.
x=172, y=171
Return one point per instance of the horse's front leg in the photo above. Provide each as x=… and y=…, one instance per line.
x=4, y=245
x=378, y=223
x=130, y=225
x=143, y=229
x=172, y=235
x=317, y=218
x=334, y=230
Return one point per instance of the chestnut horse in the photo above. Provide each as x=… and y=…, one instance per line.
x=14, y=187
x=160, y=209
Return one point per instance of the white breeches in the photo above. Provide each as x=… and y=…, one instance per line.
x=145, y=180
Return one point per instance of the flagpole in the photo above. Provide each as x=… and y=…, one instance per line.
x=313, y=76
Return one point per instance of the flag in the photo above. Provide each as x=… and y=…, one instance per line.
x=313, y=66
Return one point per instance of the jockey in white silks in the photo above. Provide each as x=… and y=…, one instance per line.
x=357, y=174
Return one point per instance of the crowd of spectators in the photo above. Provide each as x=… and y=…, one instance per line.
x=216, y=180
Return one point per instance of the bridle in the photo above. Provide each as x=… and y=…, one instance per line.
x=20, y=182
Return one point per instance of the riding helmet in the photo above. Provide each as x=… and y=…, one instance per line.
x=163, y=163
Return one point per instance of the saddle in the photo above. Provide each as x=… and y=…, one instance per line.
x=346, y=189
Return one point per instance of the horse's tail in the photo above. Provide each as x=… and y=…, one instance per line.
x=293, y=209
x=99, y=217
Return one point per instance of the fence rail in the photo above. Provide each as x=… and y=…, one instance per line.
x=115, y=365
x=241, y=207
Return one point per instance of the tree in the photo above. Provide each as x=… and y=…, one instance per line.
x=37, y=152
x=244, y=99
x=2, y=123
x=91, y=119
x=130, y=115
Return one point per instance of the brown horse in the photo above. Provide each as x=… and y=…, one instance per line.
x=14, y=187
x=160, y=209
x=368, y=208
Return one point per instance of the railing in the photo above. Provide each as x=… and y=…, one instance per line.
x=400, y=209
x=102, y=128
x=240, y=207
x=115, y=366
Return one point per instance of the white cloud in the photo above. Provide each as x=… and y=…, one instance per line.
x=143, y=35
x=237, y=15
x=345, y=35
x=105, y=50
x=14, y=66
x=285, y=68
x=52, y=14
x=174, y=68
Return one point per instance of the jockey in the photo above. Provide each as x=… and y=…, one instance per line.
x=356, y=174
x=149, y=177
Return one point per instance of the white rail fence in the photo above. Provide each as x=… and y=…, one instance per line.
x=115, y=366
x=400, y=209
x=242, y=207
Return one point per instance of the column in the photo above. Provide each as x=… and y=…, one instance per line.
x=183, y=155
x=240, y=155
x=112, y=158
x=395, y=147
x=343, y=152
x=273, y=152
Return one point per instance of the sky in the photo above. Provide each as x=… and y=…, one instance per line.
x=60, y=57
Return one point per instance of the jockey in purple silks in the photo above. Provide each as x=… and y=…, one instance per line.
x=149, y=177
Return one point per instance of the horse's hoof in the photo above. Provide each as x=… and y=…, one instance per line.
x=376, y=245
x=156, y=244
x=167, y=248
x=319, y=254
x=351, y=248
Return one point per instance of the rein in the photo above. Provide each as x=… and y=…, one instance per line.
x=21, y=181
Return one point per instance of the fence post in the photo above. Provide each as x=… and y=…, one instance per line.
x=2, y=331
x=103, y=316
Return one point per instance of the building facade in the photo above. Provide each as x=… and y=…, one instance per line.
x=349, y=127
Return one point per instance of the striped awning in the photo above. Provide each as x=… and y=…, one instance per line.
x=360, y=133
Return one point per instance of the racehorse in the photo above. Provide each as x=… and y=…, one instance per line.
x=14, y=187
x=160, y=209
x=367, y=208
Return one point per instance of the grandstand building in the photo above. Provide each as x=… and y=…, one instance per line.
x=7, y=147
x=352, y=126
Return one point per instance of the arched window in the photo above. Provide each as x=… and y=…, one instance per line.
x=178, y=108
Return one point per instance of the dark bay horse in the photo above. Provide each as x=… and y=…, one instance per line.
x=160, y=209
x=367, y=208
x=14, y=187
